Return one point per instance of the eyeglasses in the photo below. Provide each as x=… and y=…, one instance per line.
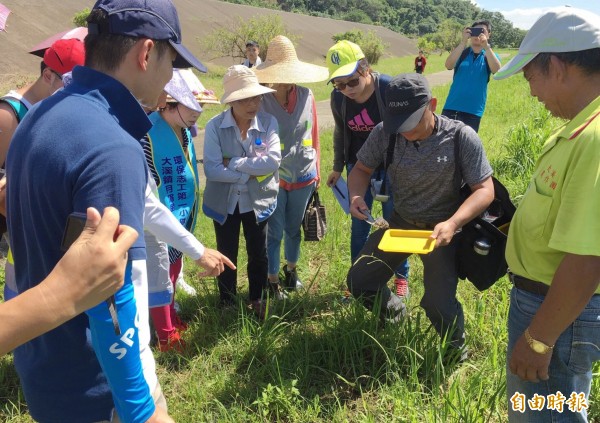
x=251, y=100
x=341, y=86
x=57, y=74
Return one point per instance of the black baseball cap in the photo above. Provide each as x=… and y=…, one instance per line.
x=154, y=19
x=406, y=98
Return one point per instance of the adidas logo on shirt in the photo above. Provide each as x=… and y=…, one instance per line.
x=361, y=122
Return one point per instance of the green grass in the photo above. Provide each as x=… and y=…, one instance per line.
x=317, y=359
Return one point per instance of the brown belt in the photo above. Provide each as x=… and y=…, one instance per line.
x=528, y=285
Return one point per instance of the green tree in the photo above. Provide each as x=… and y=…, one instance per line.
x=503, y=32
x=428, y=44
x=231, y=41
x=370, y=43
x=357, y=15
x=80, y=18
x=449, y=34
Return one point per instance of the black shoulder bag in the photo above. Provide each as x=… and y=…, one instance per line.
x=482, y=242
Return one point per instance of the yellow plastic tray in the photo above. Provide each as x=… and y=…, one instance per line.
x=407, y=241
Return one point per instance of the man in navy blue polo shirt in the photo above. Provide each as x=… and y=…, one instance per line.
x=77, y=149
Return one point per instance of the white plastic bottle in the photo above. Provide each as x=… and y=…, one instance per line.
x=260, y=148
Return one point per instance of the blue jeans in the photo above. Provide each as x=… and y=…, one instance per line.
x=361, y=229
x=576, y=350
x=467, y=118
x=286, y=221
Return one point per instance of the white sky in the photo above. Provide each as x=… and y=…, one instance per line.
x=524, y=13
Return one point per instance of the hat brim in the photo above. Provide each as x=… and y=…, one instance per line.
x=514, y=65
x=188, y=101
x=204, y=99
x=293, y=72
x=394, y=124
x=185, y=58
x=345, y=70
x=245, y=93
x=201, y=99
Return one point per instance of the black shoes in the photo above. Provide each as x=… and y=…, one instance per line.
x=290, y=280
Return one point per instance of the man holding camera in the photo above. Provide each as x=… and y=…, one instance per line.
x=418, y=149
x=472, y=69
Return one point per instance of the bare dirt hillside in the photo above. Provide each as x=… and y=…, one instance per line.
x=31, y=21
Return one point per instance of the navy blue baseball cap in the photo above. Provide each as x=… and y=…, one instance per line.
x=154, y=19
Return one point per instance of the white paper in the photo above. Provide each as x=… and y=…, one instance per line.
x=340, y=191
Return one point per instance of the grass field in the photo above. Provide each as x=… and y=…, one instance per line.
x=318, y=359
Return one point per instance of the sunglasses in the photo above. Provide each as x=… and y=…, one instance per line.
x=341, y=86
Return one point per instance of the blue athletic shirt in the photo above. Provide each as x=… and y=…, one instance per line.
x=468, y=92
x=76, y=149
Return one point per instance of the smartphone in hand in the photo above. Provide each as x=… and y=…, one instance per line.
x=74, y=228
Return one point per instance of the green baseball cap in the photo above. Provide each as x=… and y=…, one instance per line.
x=343, y=58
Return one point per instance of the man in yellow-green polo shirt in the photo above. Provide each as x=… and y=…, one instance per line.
x=553, y=246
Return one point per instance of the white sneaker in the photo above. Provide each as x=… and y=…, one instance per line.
x=185, y=287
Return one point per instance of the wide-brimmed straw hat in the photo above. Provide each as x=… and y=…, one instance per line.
x=283, y=67
x=239, y=83
x=203, y=96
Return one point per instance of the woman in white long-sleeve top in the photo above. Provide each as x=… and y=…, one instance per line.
x=241, y=157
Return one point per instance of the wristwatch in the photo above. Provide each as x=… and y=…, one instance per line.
x=537, y=346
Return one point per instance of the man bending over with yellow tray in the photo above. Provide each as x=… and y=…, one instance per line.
x=417, y=147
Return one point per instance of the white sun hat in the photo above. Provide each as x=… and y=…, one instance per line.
x=203, y=95
x=179, y=90
x=560, y=30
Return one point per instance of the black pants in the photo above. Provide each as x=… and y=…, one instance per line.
x=467, y=118
x=368, y=277
x=228, y=237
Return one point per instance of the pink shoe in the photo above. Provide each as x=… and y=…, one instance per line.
x=401, y=285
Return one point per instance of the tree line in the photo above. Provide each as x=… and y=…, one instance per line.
x=432, y=19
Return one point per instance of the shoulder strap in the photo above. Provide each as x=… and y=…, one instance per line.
x=456, y=141
x=344, y=113
x=346, y=129
x=389, y=156
x=461, y=58
x=487, y=68
x=379, y=93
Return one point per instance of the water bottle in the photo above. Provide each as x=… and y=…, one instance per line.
x=260, y=148
x=482, y=246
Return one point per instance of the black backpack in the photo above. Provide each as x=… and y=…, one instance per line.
x=480, y=256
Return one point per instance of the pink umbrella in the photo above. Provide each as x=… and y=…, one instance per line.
x=4, y=12
x=79, y=33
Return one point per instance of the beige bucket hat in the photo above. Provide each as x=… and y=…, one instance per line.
x=283, y=67
x=240, y=82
